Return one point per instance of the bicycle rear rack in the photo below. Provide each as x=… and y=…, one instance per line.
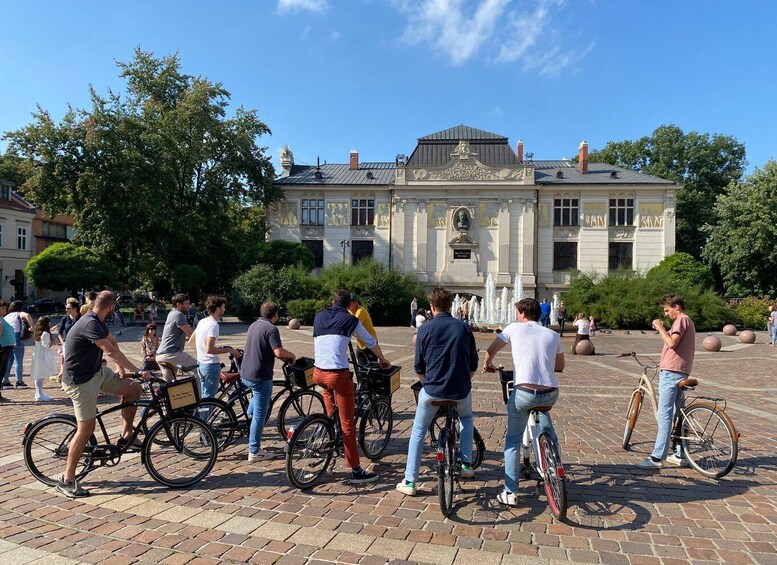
x=717, y=402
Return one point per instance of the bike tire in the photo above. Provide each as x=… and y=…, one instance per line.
x=220, y=417
x=46, y=447
x=186, y=455
x=478, y=445
x=635, y=405
x=298, y=406
x=445, y=471
x=709, y=440
x=553, y=475
x=310, y=451
x=375, y=426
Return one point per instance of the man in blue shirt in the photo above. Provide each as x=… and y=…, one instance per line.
x=445, y=361
x=545, y=313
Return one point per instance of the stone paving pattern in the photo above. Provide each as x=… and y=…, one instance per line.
x=618, y=514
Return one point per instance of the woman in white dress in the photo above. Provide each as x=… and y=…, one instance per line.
x=44, y=361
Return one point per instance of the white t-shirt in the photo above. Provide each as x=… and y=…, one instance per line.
x=208, y=327
x=14, y=318
x=534, y=353
x=420, y=321
x=583, y=326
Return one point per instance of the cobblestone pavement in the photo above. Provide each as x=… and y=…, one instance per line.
x=248, y=513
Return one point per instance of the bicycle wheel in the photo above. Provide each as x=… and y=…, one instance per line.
x=709, y=440
x=445, y=470
x=635, y=404
x=185, y=454
x=478, y=445
x=310, y=451
x=553, y=475
x=297, y=407
x=46, y=447
x=375, y=427
x=220, y=417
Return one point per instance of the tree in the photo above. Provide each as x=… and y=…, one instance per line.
x=157, y=177
x=703, y=164
x=741, y=244
x=684, y=269
x=280, y=253
x=64, y=266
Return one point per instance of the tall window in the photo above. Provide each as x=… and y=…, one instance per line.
x=621, y=211
x=50, y=229
x=317, y=247
x=360, y=250
x=564, y=256
x=312, y=211
x=565, y=212
x=621, y=255
x=362, y=212
x=21, y=239
x=5, y=192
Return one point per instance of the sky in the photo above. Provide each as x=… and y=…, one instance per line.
x=331, y=76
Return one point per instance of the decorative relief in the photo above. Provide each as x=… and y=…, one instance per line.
x=544, y=213
x=436, y=215
x=463, y=150
x=288, y=213
x=421, y=206
x=337, y=214
x=399, y=204
x=312, y=232
x=470, y=169
x=462, y=220
x=594, y=215
x=362, y=231
x=651, y=215
x=622, y=234
x=565, y=233
x=382, y=217
x=488, y=215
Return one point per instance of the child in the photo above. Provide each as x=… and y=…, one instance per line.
x=148, y=348
x=44, y=361
x=583, y=330
x=592, y=325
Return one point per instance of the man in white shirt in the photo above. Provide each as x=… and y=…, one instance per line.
x=537, y=355
x=205, y=337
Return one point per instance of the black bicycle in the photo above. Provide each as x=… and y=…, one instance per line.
x=448, y=456
x=374, y=389
x=178, y=450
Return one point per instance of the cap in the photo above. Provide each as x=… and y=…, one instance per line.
x=354, y=297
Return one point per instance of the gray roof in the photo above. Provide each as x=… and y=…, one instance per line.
x=462, y=132
x=340, y=174
x=435, y=150
x=545, y=172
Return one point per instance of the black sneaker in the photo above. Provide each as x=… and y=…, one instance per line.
x=71, y=489
x=7, y=385
x=21, y=384
x=136, y=443
x=359, y=476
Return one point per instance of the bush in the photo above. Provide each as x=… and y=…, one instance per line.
x=751, y=312
x=682, y=268
x=280, y=253
x=263, y=282
x=305, y=309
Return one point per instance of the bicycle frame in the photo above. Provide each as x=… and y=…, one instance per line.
x=530, y=440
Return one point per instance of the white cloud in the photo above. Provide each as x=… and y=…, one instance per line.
x=555, y=60
x=307, y=5
x=335, y=35
x=496, y=112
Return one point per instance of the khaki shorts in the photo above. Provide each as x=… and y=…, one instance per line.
x=84, y=396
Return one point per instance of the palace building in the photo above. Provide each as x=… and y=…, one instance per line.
x=465, y=205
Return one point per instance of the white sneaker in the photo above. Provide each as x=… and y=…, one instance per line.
x=675, y=461
x=507, y=498
x=260, y=455
x=406, y=488
x=43, y=398
x=650, y=464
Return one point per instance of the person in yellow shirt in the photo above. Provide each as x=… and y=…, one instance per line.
x=363, y=353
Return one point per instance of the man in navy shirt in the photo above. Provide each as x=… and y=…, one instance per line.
x=545, y=313
x=445, y=361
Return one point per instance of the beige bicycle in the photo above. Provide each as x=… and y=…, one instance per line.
x=701, y=426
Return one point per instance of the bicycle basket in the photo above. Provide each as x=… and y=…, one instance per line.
x=181, y=394
x=385, y=382
x=506, y=379
x=302, y=372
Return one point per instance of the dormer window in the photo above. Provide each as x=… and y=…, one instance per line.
x=5, y=192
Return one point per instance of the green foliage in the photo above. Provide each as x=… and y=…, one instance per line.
x=742, y=243
x=305, y=309
x=188, y=279
x=64, y=266
x=263, y=282
x=683, y=268
x=159, y=176
x=703, y=164
x=280, y=253
x=626, y=300
x=386, y=293
x=751, y=312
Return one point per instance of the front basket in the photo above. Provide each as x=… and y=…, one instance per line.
x=302, y=372
x=181, y=394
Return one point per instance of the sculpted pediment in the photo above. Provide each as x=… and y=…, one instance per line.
x=464, y=165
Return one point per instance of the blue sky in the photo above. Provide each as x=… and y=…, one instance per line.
x=328, y=76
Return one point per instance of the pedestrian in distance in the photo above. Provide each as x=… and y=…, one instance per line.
x=413, y=311
x=44, y=359
x=18, y=318
x=148, y=348
x=561, y=314
x=772, y=325
x=545, y=313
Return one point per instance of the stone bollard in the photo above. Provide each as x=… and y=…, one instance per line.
x=730, y=329
x=711, y=343
x=294, y=324
x=747, y=336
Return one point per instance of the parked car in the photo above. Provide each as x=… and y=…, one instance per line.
x=44, y=306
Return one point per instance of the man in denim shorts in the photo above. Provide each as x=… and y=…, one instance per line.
x=84, y=377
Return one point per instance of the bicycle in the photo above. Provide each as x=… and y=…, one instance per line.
x=177, y=451
x=313, y=446
x=448, y=456
x=700, y=426
x=547, y=463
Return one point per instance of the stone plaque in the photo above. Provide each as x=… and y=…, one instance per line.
x=462, y=254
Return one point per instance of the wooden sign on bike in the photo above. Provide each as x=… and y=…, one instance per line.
x=303, y=372
x=181, y=394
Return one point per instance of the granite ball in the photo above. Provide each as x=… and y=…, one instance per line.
x=747, y=336
x=730, y=329
x=711, y=343
x=294, y=324
x=585, y=347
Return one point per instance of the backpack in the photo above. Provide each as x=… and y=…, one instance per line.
x=26, y=331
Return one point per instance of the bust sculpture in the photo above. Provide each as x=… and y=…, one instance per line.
x=462, y=220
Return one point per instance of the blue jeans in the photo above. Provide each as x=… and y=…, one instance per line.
x=669, y=399
x=424, y=414
x=257, y=411
x=518, y=406
x=209, y=378
x=18, y=358
x=773, y=333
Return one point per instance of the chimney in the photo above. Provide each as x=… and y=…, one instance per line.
x=582, y=157
x=354, y=160
x=519, y=150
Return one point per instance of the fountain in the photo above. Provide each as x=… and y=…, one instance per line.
x=496, y=309
x=553, y=309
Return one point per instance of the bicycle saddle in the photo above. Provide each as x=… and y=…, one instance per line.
x=687, y=383
x=541, y=408
x=444, y=403
x=187, y=368
x=227, y=377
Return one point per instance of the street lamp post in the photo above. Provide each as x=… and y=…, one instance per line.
x=344, y=243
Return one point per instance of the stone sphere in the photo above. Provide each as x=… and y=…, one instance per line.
x=585, y=347
x=730, y=329
x=294, y=324
x=711, y=343
x=415, y=337
x=747, y=337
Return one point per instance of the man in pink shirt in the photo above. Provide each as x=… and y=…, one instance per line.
x=675, y=365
